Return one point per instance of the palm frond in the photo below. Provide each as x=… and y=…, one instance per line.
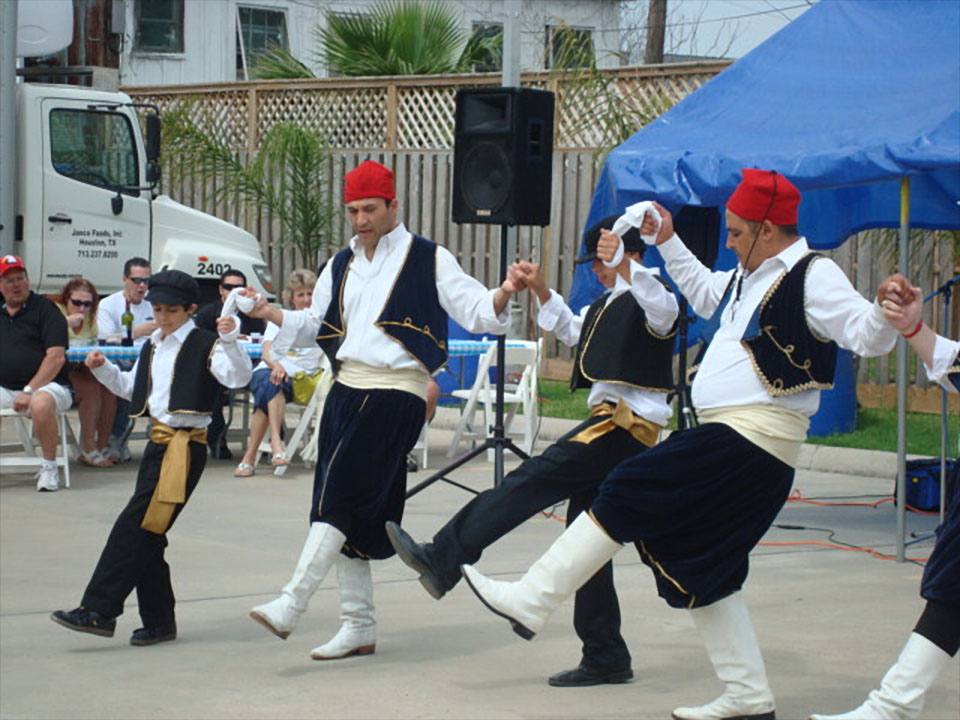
x=277, y=63
x=405, y=37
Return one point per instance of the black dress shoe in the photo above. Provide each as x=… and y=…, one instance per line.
x=83, y=620
x=583, y=676
x=415, y=557
x=412, y=464
x=152, y=636
x=221, y=452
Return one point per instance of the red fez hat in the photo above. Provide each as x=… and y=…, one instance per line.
x=368, y=180
x=765, y=195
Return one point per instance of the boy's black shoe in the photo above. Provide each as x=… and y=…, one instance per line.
x=412, y=464
x=152, y=636
x=415, y=556
x=83, y=620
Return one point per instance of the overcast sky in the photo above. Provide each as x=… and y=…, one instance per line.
x=731, y=28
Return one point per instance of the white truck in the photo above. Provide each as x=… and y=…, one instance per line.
x=85, y=199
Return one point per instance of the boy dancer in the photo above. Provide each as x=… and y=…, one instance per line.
x=176, y=380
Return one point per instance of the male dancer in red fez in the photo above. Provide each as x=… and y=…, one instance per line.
x=379, y=311
x=697, y=503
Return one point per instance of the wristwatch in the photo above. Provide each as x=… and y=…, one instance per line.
x=28, y=390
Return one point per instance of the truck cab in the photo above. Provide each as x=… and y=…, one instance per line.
x=85, y=197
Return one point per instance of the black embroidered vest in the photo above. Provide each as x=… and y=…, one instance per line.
x=412, y=314
x=953, y=374
x=617, y=346
x=787, y=356
x=193, y=389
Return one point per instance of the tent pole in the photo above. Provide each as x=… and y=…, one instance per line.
x=904, y=252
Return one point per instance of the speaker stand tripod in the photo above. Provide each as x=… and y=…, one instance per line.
x=498, y=440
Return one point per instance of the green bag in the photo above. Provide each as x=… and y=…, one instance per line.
x=304, y=384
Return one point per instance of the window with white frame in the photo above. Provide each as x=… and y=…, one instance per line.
x=159, y=26
x=258, y=30
x=567, y=48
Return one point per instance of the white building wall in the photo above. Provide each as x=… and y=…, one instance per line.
x=210, y=34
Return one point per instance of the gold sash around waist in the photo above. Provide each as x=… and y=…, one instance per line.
x=619, y=416
x=171, y=489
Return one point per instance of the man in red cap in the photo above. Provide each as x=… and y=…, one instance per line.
x=33, y=369
x=379, y=312
x=697, y=503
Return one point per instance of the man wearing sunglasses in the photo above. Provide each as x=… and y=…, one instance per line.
x=136, y=272
x=206, y=318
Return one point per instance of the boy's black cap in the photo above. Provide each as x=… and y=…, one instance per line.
x=172, y=287
x=632, y=241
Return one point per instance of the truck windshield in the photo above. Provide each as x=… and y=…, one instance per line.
x=94, y=147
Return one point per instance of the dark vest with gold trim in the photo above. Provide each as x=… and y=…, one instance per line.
x=412, y=314
x=788, y=356
x=193, y=388
x=953, y=374
x=617, y=346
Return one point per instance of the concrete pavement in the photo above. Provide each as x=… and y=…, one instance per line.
x=830, y=622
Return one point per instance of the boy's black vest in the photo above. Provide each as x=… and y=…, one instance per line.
x=787, y=355
x=412, y=314
x=617, y=346
x=193, y=389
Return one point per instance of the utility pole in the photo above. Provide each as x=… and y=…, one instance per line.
x=656, y=27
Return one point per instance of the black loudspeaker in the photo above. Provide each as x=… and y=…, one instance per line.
x=699, y=228
x=503, y=145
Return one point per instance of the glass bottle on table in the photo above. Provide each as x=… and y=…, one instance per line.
x=127, y=320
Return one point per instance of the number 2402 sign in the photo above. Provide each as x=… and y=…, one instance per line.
x=212, y=268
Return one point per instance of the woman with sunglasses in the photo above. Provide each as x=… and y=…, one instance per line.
x=96, y=405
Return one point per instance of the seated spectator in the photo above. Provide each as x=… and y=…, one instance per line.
x=110, y=328
x=96, y=405
x=272, y=384
x=33, y=373
x=206, y=318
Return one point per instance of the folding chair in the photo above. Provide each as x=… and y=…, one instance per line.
x=29, y=459
x=308, y=413
x=524, y=358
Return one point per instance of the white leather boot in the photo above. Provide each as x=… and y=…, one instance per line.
x=358, y=628
x=902, y=689
x=319, y=553
x=732, y=645
x=572, y=560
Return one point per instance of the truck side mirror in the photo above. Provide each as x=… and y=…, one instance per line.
x=153, y=173
x=153, y=137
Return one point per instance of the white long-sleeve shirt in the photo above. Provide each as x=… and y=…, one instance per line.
x=229, y=364
x=366, y=290
x=834, y=309
x=945, y=354
x=660, y=306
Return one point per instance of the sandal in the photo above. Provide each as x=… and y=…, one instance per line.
x=244, y=470
x=94, y=458
x=280, y=459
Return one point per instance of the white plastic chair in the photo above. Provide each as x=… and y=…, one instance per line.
x=309, y=414
x=29, y=459
x=522, y=362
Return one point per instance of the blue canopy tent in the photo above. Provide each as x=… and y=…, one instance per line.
x=857, y=102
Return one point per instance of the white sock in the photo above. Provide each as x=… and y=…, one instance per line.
x=48, y=464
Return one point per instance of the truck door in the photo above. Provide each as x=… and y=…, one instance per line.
x=89, y=153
